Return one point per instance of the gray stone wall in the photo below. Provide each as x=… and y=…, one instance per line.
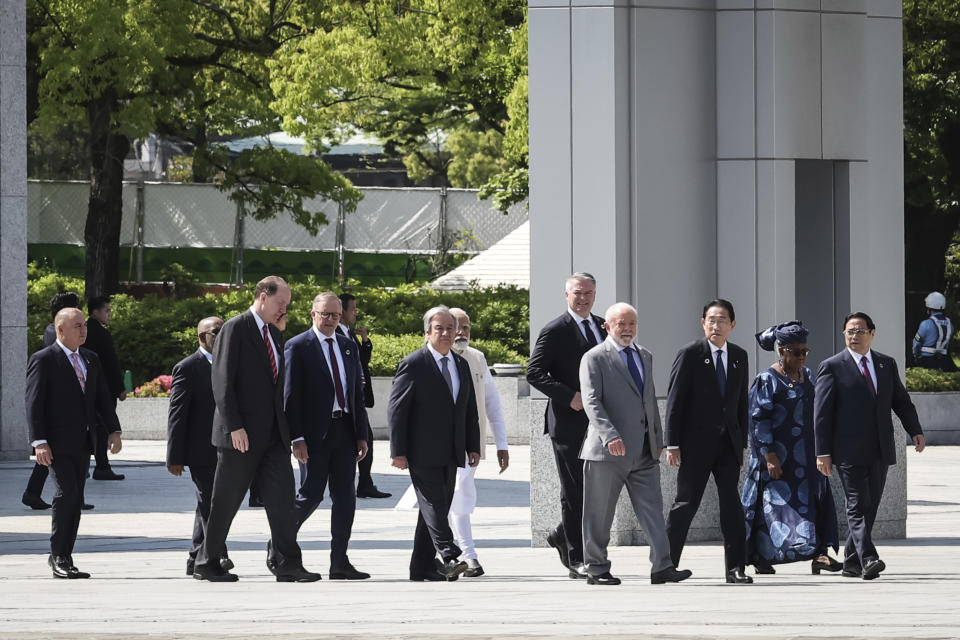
x=13, y=228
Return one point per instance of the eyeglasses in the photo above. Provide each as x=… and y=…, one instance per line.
x=800, y=353
x=327, y=314
x=212, y=332
x=854, y=332
x=717, y=322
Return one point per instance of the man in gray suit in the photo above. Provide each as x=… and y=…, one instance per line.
x=620, y=401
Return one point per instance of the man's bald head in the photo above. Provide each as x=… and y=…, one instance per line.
x=207, y=330
x=71, y=327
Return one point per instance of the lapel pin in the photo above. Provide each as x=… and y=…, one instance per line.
x=347, y=352
x=706, y=361
x=881, y=365
x=735, y=365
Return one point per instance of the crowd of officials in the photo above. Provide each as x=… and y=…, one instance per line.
x=249, y=397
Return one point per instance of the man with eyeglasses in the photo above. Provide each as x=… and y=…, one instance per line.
x=324, y=406
x=855, y=392
x=189, y=429
x=706, y=433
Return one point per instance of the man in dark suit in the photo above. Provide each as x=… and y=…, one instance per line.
x=38, y=477
x=855, y=391
x=251, y=435
x=554, y=370
x=358, y=333
x=189, y=429
x=706, y=433
x=324, y=405
x=433, y=423
x=100, y=342
x=66, y=394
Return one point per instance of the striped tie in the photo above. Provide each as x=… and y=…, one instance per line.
x=273, y=358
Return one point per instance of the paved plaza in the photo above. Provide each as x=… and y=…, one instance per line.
x=135, y=545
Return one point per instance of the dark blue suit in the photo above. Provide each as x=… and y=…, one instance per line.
x=331, y=442
x=856, y=430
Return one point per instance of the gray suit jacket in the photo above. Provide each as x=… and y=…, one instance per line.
x=613, y=404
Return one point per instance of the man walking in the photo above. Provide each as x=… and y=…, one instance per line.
x=554, y=370
x=100, y=342
x=706, y=433
x=433, y=430
x=622, y=447
x=855, y=392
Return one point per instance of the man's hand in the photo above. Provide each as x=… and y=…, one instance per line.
x=400, y=462
x=44, y=454
x=773, y=466
x=123, y=395
x=362, y=449
x=673, y=457
x=114, y=442
x=175, y=469
x=919, y=442
x=361, y=331
x=240, y=441
x=300, y=451
x=616, y=447
x=577, y=403
x=473, y=458
x=825, y=465
x=503, y=459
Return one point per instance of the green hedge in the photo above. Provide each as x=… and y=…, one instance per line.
x=920, y=379
x=153, y=334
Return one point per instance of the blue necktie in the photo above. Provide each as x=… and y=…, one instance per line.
x=721, y=375
x=634, y=370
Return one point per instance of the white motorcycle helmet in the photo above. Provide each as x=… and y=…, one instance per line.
x=935, y=300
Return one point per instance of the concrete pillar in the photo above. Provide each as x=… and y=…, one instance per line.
x=13, y=228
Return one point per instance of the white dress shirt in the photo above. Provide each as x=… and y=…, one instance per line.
x=451, y=367
x=726, y=356
x=208, y=355
x=260, y=325
x=589, y=319
x=631, y=352
x=869, y=356
x=346, y=330
x=325, y=348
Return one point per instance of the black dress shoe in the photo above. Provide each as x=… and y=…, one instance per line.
x=298, y=574
x=271, y=561
x=347, y=572
x=604, y=578
x=191, y=563
x=816, y=566
x=670, y=574
x=86, y=506
x=107, y=474
x=452, y=568
x=737, y=576
x=372, y=492
x=473, y=572
x=213, y=573
x=578, y=571
x=764, y=570
x=556, y=540
x=226, y=563
x=852, y=573
x=873, y=569
x=428, y=576
x=34, y=502
x=62, y=567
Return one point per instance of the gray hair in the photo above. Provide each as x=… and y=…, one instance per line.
x=579, y=275
x=455, y=311
x=435, y=311
x=619, y=307
x=323, y=295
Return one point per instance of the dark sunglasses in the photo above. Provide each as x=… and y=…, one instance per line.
x=213, y=331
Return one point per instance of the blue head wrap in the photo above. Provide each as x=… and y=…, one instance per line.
x=792, y=332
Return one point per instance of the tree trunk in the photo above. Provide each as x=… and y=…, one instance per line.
x=105, y=209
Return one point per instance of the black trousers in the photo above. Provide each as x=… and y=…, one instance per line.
x=203, y=483
x=69, y=473
x=333, y=462
x=270, y=466
x=434, y=488
x=696, y=466
x=364, y=478
x=570, y=471
x=862, y=489
x=38, y=478
x=100, y=436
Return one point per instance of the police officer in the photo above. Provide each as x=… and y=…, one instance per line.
x=932, y=341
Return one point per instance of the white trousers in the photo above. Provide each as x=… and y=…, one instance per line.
x=464, y=501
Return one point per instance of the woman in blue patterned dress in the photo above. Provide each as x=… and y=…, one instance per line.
x=789, y=509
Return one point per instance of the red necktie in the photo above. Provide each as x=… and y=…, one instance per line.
x=273, y=358
x=866, y=374
x=336, y=375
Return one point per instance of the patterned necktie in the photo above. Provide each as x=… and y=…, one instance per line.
x=273, y=357
x=866, y=374
x=76, y=367
x=634, y=369
x=336, y=375
x=446, y=375
x=721, y=374
x=588, y=330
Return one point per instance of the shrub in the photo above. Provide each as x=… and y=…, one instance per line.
x=920, y=379
x=388, y=351
x=159, y=387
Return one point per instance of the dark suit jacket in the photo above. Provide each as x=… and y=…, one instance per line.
x=190, y=419
x=58, y=411
x=695, y=407
x=425, y=424
x=554, y=370
x=243, y=387
x=49, y=335
x=100, y=342
x=310, y=391
x=850, y=424
x=365, y=349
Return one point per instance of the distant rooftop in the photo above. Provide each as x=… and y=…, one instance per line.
x=360, y=144
x=505, y=263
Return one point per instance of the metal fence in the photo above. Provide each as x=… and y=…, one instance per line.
x=162, y=214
